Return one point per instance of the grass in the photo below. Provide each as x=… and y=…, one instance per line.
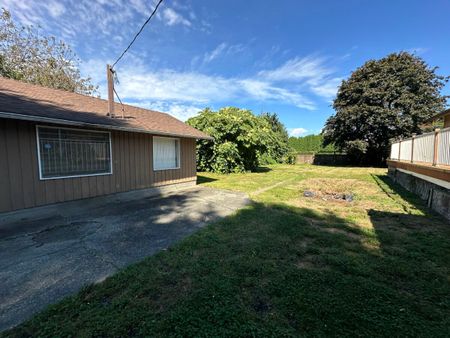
x=287, y=265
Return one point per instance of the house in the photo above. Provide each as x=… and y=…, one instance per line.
x=443, y=116
x=58, y=146
x=421, y=164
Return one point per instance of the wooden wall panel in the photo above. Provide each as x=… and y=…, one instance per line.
x=39, y=188
x=14, y=165
x=25, y=156
x=5, y=184
x=118, y=154
x=132, y=155
x=59, y=189
x=147, y=168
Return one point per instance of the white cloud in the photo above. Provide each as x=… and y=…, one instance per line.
x=222, y=49
x=174, y=18
x=55, y=9
x=327, y=88
x=308, y=71
x=107, y=21
x=297, y=131
x=215, y=53
x=183, y=93
x=262, y=90
x=298, y=69
x=167, y=85
x=178, y=110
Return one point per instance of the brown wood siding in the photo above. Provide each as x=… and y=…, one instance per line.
x=447, y=121
x=20, y=186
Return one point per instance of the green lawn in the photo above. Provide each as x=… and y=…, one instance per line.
x=287, y=265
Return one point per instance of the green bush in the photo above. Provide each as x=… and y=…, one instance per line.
x=266, y=159
x=227, y=158
x=242, y=141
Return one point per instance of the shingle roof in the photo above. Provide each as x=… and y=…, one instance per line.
x=439, y=115
x=33, y=102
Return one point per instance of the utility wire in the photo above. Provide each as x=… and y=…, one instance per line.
x=135, y=37
x=123, y=108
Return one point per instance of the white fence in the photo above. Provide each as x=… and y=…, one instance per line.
x=433, y=148
x=443, y=155
x=405, y=150
x=424, y=148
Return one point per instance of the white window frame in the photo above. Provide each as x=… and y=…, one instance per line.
x=72, y=176
x=178, y=155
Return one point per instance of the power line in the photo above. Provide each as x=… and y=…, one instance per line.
x=123, y=108
x=135, y=37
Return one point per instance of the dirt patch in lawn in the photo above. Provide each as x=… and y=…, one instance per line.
x=327, y=189
x=347, y=198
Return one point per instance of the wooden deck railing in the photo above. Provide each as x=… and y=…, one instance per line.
x=429, y=148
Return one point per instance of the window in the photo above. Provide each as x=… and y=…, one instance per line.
x=166, y=153
x=65, y=152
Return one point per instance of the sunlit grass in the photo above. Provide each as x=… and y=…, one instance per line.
x=286, y=265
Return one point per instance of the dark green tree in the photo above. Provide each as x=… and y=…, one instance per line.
x=310, y=144
x=278, y=150
x=28, y=56
x=384, y=99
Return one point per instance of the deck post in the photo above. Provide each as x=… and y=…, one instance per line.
x=399, y=149
x=436, y=144
x=412, y=147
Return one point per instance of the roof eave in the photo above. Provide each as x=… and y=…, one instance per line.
x=43, y=119
x=438, y=116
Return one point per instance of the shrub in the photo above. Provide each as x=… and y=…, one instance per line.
x=242, y=141
x=227, y=159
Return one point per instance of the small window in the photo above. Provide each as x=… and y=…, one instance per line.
x=65, y=152
x=166, y=153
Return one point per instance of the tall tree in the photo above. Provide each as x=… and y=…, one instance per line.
x=27, y=56
x=279, y=147
x=310, y=144
x=384, y=99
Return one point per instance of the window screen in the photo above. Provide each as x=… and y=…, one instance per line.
x=166, y=153
x=71, y=152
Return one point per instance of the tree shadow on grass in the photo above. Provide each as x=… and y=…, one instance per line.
x=262, y=170
x=396, y=192
x=274, y=270
x=204, y=179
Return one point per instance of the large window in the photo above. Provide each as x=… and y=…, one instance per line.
x=65, y=152
x=166, y=153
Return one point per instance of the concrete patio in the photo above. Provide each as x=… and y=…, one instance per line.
x=51, y=252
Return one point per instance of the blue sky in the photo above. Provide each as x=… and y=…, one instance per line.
x=286, y=57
